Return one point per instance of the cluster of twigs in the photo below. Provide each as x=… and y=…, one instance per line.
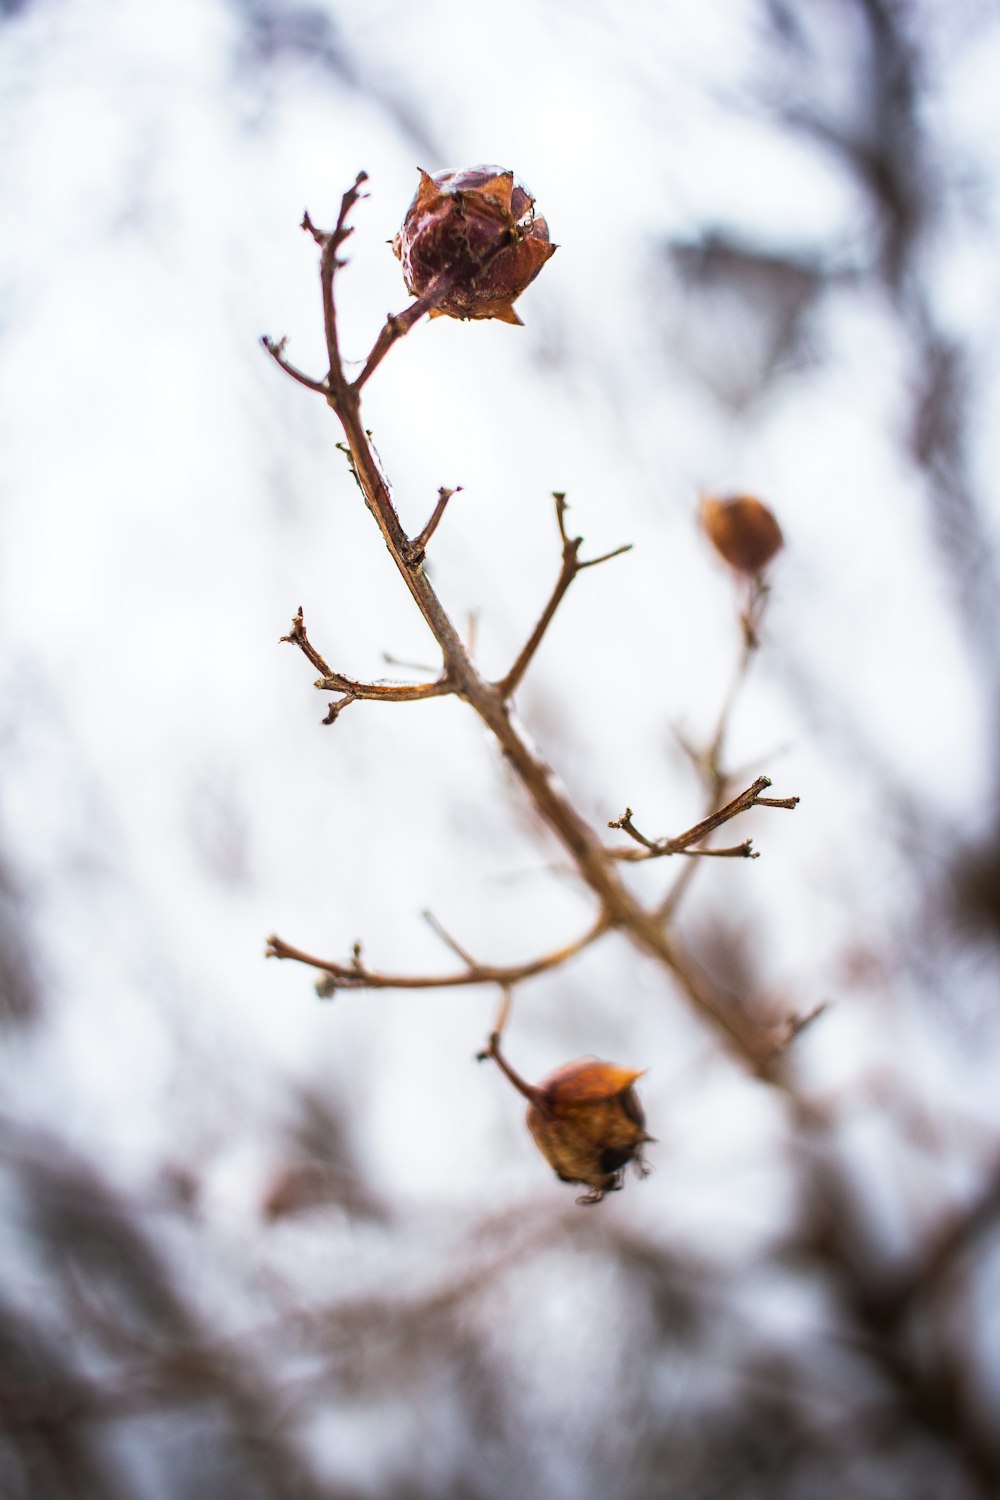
x=879, y=1313
x=597, y=864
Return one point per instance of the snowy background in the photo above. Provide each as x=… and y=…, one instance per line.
x=777, y=274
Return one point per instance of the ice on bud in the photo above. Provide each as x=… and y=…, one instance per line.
x=479, y=228
x=587, y=1122
x=743, y=531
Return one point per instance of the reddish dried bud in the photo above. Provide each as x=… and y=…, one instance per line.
x=743, y=531
x=479, y=226
x=588, y=1124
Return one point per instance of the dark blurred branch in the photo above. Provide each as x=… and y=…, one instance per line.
x=891, y=1327
x=879, y=131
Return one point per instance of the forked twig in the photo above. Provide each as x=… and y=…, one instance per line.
x=357, y=976
x=329, y=265
x=571, y=566
x=336, y=682
x=683, y=843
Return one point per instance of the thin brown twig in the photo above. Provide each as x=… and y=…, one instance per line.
x=398, y=325
x=336, y=682
x=506, y=986
x=420, y=541
x=276, y=349
x=298, y=636
x=571, y=566
x=503, y=1014
x=492, y=1050
x=683, y=843
x=385, y=692
x=357, y=976
x=330, y=264
x=448, y=940
x=709, y=762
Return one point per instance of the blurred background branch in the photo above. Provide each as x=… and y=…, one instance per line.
x=256, y=1246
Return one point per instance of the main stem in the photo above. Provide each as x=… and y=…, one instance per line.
x=489, y=702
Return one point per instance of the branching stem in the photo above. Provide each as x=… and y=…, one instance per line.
x=571, y=566
x=357, y=976
x=683, y=843
x=752, y=1042
x=336, y=682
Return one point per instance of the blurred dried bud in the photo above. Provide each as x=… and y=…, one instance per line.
x=743, y=531
x=478, y=224
x=588, y=1124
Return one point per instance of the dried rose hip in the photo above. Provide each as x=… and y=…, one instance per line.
x=479, y=228
x=588, y=1124
x=743, y=531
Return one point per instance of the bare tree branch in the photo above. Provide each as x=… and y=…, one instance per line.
x=747, y=1038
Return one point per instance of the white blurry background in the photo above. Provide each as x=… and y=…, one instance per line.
x=777, y=274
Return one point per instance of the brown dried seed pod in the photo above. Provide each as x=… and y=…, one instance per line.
x=742, y=530
x=587, y=1122
x=478, y=225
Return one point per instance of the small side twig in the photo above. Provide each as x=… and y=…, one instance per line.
x=356, y=975
x=449, y=941
x=276, y=349
x=492, y=1050
x=297, y=637
x=507, y=989
x=337, y=707
x=330, y=264
x=684, y=843
x=709, y=763
x=419, y=543
x=336, y=682
x=571, y=566
x=398, y=325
